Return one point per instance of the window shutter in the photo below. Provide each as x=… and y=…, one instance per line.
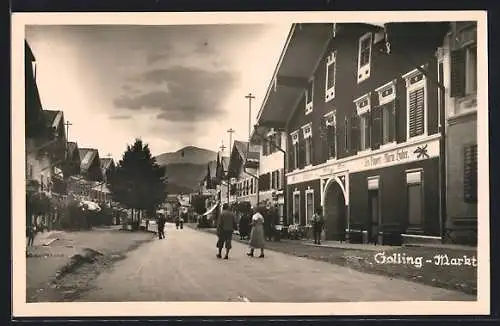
x=282, y=178
x=376, y=127
x=416, y=114
x=302, y=153
x=324, y=140
x=470, y=174
x=290, y=154
x=354, y=134
x=458, y=73
x=392, y=120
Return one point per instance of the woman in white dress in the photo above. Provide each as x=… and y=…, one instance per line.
x=257, y=233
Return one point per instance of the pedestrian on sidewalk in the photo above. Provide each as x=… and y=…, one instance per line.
x=257, y=234
x=244, y=225
x=30, y=234
x=226, y=224
x=161, y=227
x=317, y=224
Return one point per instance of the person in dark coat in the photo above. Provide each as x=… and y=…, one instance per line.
x=161, y=227
x=244, y=226
x=226, y=224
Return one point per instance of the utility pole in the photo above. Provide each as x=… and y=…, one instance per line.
x=67, y=124
x=230, y=131
x=250, y=97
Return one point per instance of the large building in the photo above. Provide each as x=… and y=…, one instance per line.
x=362, y=128
x=458, y=68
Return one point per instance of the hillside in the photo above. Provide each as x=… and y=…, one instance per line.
x=189, y=154
x=185, y=177
x=185, y=168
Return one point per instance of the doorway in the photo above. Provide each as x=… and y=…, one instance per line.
x=335, y=212
x=374, y=213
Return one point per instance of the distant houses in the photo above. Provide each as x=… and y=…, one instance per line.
x=56, y=168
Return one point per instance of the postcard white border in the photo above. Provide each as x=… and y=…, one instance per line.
x=23, y=309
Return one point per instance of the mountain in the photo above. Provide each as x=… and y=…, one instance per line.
x=189, y=154
x=185, y=168
x=184, y=177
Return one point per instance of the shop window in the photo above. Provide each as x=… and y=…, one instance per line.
x=415, y=201
x=309, y=205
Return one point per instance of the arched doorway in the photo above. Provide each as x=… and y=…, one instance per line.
x=335, y=211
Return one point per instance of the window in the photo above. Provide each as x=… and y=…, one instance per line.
x=386, y=98
x=331, y=70
x=330, y=137
x=309, y=205
x=252, y=190
x=30, y=173
x=364, y=57
x=296, y=207
x=278, y=140
x=309, y=97
x=416, y=102
x=470, y=174
x=42, y=184
x=464, y=63
x=363, y=107
x=307, y=132
x=415, y=199
x=295, y=150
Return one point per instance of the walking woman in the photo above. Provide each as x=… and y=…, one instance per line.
x=257, y=233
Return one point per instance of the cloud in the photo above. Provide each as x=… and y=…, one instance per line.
x=120, y=117
x=189, y=94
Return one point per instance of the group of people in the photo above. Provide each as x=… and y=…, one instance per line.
x=253, y=228
x=271, y=220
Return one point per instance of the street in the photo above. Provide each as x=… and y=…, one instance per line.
x=183, y=267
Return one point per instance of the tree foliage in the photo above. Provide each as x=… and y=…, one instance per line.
x=138, y=182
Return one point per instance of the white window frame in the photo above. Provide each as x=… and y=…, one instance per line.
x=364, y=70
x=296, y=205
x=295, y=143
x=412, y=87
x=382, y=100
x=309, y=98
x=362, y=112
x=309, y=191
x=307, y=133
x=330, y=92
x=332, y=114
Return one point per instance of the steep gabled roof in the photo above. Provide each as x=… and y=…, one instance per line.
x=72, y=146
x=247, y=152
x=87, y=156
x=53, y=117
x=106, y=162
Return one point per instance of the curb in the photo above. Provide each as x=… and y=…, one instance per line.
x=87, y=256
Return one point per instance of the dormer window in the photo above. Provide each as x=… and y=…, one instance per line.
x=331, y=69
x=363, y=108
x=309, y=96
x=364, y=57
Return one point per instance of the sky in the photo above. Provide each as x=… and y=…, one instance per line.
x=171, y=86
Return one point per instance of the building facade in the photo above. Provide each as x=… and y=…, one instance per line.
x=362, y=125
x=458, y=69
x=271, y=171
x=243, y=173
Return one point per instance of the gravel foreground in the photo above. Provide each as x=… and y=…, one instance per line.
x=64, y=270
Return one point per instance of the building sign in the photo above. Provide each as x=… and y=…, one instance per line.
x=405, y=153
